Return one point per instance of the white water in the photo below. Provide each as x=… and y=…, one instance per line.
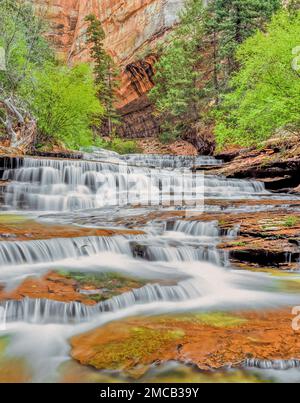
x=181, y=261
x=150, y=160
x=65, y=185
x=43, y=251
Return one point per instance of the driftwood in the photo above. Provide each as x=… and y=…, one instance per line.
x=20, y=126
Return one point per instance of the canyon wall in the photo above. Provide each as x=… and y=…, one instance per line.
x=133, y=28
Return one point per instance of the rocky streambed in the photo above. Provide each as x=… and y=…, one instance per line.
x=142, y=268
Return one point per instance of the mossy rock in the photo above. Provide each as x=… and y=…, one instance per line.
x=213, y=319
x=128, y=348
x=12, y=219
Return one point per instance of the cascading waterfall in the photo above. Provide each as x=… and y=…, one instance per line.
x=206, y=229
x=170, y=161
x=163, y=161
x=199, y=243
x=64, y=185
x=180, y=259
x=187, y=254
x=197, y=228
x=280, y=365
x=49, y=311
x=51, y=250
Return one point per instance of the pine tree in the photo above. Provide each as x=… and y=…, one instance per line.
x=229, y=23
x=176, y=94
x=104, y=70
x=264, y=97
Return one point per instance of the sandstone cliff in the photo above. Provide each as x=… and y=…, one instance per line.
x=132, y=28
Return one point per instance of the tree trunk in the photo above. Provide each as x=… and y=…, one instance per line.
x=20, y=126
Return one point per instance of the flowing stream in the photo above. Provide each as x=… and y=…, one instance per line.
x=178, y=259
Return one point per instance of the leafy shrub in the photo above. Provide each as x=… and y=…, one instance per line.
x=265, y=92
x=65, y=103
x=118, y=145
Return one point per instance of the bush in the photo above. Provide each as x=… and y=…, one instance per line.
x=118, y=145
x=65, y=103
x=265, y=92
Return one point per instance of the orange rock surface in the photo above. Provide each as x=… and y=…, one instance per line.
x=261, y=335
x=52, y=286
x=28, y=230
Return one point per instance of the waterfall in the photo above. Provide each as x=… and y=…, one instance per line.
x=218, y=187
x=205, y=229
x=170, y=161
x=281, y=365
x=49, y=311
x=68, y=185
x=50, y=250
x=187, y=254
x=163, y=161
x=185, y=269
x=198, y=228
x=199, y=245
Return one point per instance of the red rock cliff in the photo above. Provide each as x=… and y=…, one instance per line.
x=132, y=28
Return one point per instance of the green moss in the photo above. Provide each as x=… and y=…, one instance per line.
x=220, y=319
x=224, y=223
x=12, y=219
x=290, y=221
x=136, y=348
x=215, y=319
x=109, y=281
x=119, y=145
x=238, y=244
x=4, y=340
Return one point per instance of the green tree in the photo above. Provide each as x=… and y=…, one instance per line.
x=64, y=103
x=104, y=70
x=24, y=49
x=176, y=94
x=293, y=5
x=265, y=93
x=229, y=23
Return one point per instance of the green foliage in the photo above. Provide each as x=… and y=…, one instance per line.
x=176, y=94
x=64, y=102
x=21, y=36
x=291, y=221
x=118, y=145
x=61, y=100
x=182, y=94
x=234, y=21
x=123, y=146
x=104, y=70
x=293, y=6
x=265, y=92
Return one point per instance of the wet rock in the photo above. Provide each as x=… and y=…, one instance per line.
x=209, y=341
x=59, y=154
x=139, y=250
x=277, y=166
x=9, y=162
x=85, y=288
x=18, y=227
x=202, y=138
